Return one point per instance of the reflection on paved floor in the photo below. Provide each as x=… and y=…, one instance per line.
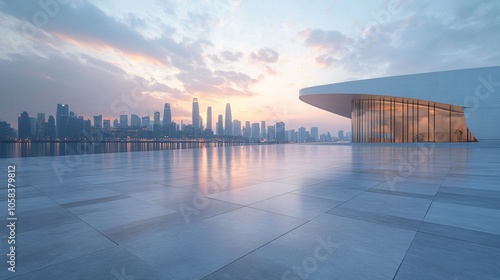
x=260, y=212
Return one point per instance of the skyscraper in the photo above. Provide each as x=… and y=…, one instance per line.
x=135, y=121
x=341, y=135
x=280, y=132
x=167, y=116
x=247, y=131
x=302, y=134
x=255, y=131
x=24, y=125
x=62, y=116
x=220, y=126
x=314, y=133
x=236, y=128
x=40, y=125
x=156, y=124
x=271, y=133
x=196, y=115
x=228, y=125
x=98, y=121
x=106, y=124
x=146, y=122
x=156, y=118
x=263, y=130
x=123, y=121
x=51, y=127
x=209, y=118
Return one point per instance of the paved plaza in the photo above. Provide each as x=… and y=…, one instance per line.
x=294, y=211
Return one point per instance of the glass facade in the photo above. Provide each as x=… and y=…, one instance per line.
x=407, y=120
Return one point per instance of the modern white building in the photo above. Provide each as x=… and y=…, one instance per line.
x=448, y=106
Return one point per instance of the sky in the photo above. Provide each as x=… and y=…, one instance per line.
x=118, y=57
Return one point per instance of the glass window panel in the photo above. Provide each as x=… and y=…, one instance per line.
x=377, y=120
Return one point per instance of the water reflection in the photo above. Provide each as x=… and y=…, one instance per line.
x=12, y=150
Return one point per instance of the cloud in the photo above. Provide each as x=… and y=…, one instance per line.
x=324, y=39
x=219, y=83
x=88, y=85
x=231, y=56
x=267, y=55
x=419, y=39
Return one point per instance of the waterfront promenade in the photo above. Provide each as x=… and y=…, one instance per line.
x=295, y=211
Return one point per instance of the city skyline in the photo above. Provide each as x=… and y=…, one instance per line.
x=254, y=55
x=71, y=126
x=63, y=110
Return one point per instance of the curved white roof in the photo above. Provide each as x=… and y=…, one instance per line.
x=477, y=90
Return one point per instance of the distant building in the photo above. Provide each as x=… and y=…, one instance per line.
x=156, y=124
x=123, y=121
x=271, y=133
x=228, y=124
x=106, y=124
x=116, y=123
x=146, y=122
x=263, y=130
x=294, y=136
x=315, y=133
x=247, y=131
x=220, y=126
x=24, y=125
x=40, y=125
x=341, y=135
x=167, y=115
x=196, y=115
x=98, y=121
x=255, y=131
x=51, y=127
x=302, y=134
x=209, y=118
x=6, y=132
x=236, y=128
x=280, y=132
x=135, y=121
x=62, y=119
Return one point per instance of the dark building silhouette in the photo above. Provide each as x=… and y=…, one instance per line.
x=167, y=120
x=247, y=130
x=123, y=121
x=280, y=132
x=220, y=126
x=196, y=116
x=6, y=132
x=228, y=124
x=24, y=125
x=135, y=121
x=51, y=127
x=98, y=121
x=255, y=131
x=236, y=128
x=62, y=120
x=271, y=133
x=40, y=125
x=209, y=118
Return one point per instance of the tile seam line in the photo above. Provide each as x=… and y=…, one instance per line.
x=116, y=244
x=421, y=222
x=281, y=235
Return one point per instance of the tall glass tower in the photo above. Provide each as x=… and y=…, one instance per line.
x=196, y=114
x=167, y=115
x=228, y=127
x=209, y=118
x=62, y=120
